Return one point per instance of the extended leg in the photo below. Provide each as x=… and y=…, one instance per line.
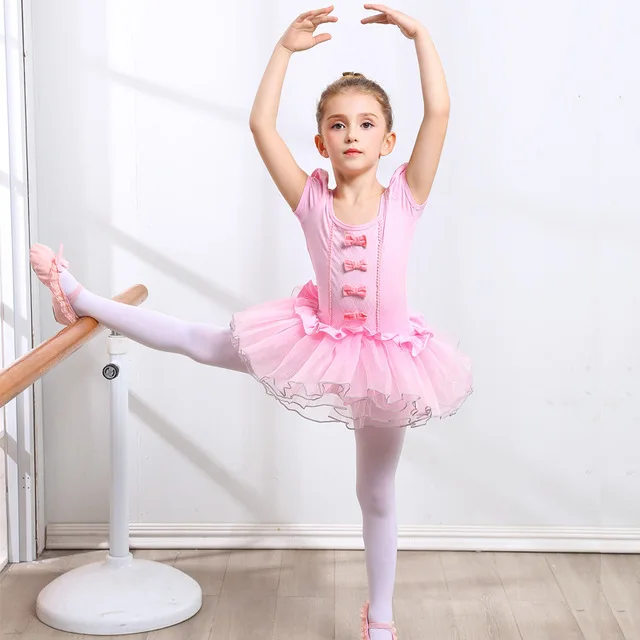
x=201, y=342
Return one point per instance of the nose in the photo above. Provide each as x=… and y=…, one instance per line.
x=351, y=136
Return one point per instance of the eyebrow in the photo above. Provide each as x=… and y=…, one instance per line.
x=341, y=115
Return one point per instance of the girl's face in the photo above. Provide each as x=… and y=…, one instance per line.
x=353, y=121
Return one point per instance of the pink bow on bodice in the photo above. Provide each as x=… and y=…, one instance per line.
x=348, y=290
x=355, y=315
x=358, y=241
x=350, y=265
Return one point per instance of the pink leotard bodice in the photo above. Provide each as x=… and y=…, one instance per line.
x=361, y=269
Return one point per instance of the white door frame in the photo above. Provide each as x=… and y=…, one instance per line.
x=18, y=331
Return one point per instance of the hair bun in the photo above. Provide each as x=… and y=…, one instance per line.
x=355, y=74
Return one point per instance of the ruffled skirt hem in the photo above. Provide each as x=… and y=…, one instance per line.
x=359, y=379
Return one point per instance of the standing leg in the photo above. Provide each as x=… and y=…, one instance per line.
x=377, y=454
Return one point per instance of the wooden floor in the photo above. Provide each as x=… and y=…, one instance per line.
x=316, y=595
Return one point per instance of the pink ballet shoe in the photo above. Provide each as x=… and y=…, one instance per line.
x=366, y=625
x=47, y=267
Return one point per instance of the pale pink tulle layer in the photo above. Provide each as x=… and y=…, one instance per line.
x=350, y=375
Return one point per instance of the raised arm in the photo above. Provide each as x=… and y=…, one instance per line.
x=423, y=164
x=287, y=175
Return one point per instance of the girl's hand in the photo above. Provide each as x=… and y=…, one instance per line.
x=299, y=36
x=410, y=27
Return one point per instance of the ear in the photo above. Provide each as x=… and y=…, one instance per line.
x=320, y=146
x=388, y=145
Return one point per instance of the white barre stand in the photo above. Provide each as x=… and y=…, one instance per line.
x=123, y=594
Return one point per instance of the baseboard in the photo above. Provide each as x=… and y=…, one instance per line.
x=424, y=538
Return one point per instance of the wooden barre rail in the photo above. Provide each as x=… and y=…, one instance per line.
x=33, y=365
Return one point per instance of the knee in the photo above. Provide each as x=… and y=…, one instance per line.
x=376, y=499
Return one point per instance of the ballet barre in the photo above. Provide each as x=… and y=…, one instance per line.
x=121, y=594
x=33, y=365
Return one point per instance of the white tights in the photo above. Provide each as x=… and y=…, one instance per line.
x=377, y=449
x=203, y=343
x=377, y=454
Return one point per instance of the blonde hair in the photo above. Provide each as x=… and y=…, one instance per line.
x=356, y=83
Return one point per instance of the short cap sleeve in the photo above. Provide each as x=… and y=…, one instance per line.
x=315, y=193
x=399, y=191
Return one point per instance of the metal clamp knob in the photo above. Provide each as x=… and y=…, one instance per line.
x=110, y=371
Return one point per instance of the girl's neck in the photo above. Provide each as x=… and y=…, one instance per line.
x=357, y=189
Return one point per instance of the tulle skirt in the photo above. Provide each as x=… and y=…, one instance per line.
x=333, y=374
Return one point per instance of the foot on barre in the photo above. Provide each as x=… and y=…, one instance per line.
x=51, y=270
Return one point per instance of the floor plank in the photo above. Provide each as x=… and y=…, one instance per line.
x=304, y=618
x=307, y=573
x=254, y=570
x=207, y=567
x=317, y=595
x=478, y=599
x=621, y=588
x=244, y=615
x=579, y=576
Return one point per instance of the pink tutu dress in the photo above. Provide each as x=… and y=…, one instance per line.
x=348, y=349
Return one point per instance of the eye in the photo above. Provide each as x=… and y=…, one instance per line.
x=367, y=122
x=336, y=125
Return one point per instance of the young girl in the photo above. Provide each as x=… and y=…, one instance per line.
x=346, y=349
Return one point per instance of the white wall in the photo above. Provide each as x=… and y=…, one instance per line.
x=147, y=173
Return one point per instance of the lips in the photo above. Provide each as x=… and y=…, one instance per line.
x=352, y=152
